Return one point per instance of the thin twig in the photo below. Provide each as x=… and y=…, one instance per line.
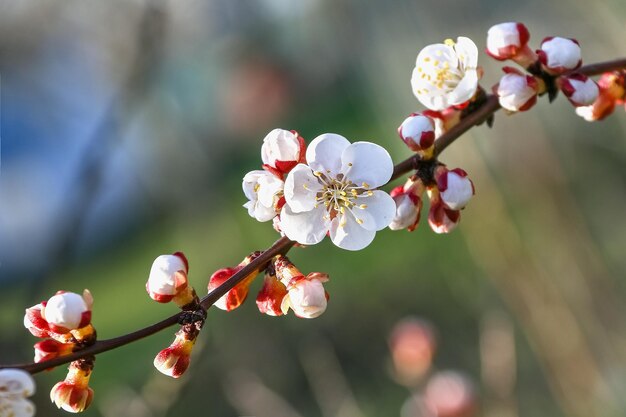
x=282, y=245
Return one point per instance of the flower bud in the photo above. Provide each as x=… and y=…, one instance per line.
x=67, y=311
x=558, y=55
x=238, y=294
x=73, y=394
x=418, y=132
x=516, y=91
x=265, y=192
x=15, y=386
x=168, y=279
x=614, y=83
x=174, y=360
x=601, y=108
x=282, y=150
x=455, y=188
x=440, y=218
x=270, y=298
x=408, y=199
x=34, y=321
x=445, y=119
x=412, y=344
x=450, y=394
x=510, y=41
x=50, y=349
x=306, y=296
x=579, y=89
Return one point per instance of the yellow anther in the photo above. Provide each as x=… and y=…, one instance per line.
x=370, y=193
x=349, y=164
x=353, y=192
x=427, y=59
x=256, y=187
x=436, y=63
x=317, y=173
x=365, y=185
x=359, y=221
x=363, y=206
x=449, y=42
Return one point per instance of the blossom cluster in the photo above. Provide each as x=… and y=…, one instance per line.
x=327, y=188
x=64, y=322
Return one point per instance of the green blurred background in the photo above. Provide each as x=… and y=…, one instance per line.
x=128, y=125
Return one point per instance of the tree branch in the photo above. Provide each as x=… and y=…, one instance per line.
x=282, y=245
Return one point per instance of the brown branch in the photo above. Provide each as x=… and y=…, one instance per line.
x=282, y=245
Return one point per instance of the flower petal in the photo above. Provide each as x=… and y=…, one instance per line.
x=379, y=211
x=301, y=188
x=366, y=162
x=308, y=227
x=467, y=52
x=324, y=153
x=466, y=89
x=346, y=233
x=268, y=187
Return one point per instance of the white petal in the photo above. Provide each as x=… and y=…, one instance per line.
x=22, y=408
x=346, y=233
x=65, y=310
x=438, y=51
x=366, y=162
x=263, y=213
x=467, y=52
x=306, y=228
x=280, y=145
x=324, y=153
x=466, y=89
x=269, y=186
x=379, y=211
x=250, y=181
x=301, y=188
x=16, y=382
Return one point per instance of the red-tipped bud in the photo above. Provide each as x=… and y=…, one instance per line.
x=418, y=132
x=408, y=199
x=440, y=218
x=306, y=296
x=238, y=294
x=559, y=55
x=168, y=278
x=67, y=311
x=579, y=89
x=282, y=150
x=270, y=298
x=516, y=91
x=445, y=119
x=73, y=394
x=50, y=349
x=455, y=187
x=174, y=360
x=614, y=83
x=510, y=41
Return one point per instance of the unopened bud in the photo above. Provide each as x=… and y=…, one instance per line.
x=579, y=89
x=455, y=187
x=282, y=150
x=559, y=55
x=516, y=91
x=408, y=199
x=418, y=132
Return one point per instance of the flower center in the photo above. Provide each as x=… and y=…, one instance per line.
x=340, y=195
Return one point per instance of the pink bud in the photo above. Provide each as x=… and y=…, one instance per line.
x=455, y=188
x=168, y=277
x=306, y=296
x=418, y=132
x=510, y=41
x=559, y=55
x=282, y=150
x=174, y=360
x=50, y=349
x=412, y=344
x=73, y=394
x=579, y=89
x=68, y=311
x=271, y=296
x=516, y=91
x=440, y=218
x=601, y=108
x=408, y=199
x=450, y=394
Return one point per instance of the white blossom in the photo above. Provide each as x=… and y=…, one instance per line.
x=306, y=297
x=68, y=311
x=336, y=193
x=558, y=55
x=15, y=386
x=168, y=276
x=282, y=150
x=446, y=74
x=263, y=189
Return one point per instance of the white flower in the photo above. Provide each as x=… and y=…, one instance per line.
x=516, y=91
x=168, y=276
x=559, y=55
x=507, y=41
x=263, y=189
x=446, y=74
x=67, y=311
x=282, y=150
x=337, y=193
x=579, y=89
x=418, y=132
x=306, y=297
x=408, y=198
x=15, y=386
x=455, y=188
